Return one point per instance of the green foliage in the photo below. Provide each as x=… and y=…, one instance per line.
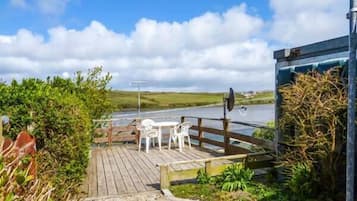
x=266, y=134
x=16, y=184
x=160, y=100
x=202, y=177
x=313, y=126
x=91, y=88
x=234, y=177
x=254, y=192
x=59, y=112
x=301, y=182
x=271, y=192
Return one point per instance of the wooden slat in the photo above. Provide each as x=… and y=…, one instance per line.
x=118, y=179
x=92, y=174
x=111, y=188
x=102, y=184
x=208, y=130
x=139, y=186
x=213, y=142
x=238, y=150
x=150, y=170
x=129, y=185
x=183, y=174
x=140, y=170
x=252, y=140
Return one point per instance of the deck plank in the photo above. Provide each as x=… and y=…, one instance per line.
x=118, y=179
x=139, y=186
x=111, y=188
x=140, y=169
x=92, y=174
x=129, y=185
x=102, y=184
x=122, y=169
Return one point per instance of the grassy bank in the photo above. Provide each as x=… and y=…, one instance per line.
x=126, y=100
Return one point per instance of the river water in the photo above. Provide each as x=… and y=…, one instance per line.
x=257, y=114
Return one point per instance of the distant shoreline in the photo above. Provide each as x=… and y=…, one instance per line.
x=184, y=108
x=125, y=101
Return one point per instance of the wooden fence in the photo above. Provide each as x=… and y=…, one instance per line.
x=212, y=166
x=113, y=133
x=226, y=144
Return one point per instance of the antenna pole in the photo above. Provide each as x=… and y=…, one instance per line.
x=224, y=107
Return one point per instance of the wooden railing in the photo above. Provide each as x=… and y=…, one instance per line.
x=212, y=166
x=124, y=132
x=226, y=144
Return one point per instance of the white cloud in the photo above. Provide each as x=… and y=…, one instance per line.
x=305, y=21
x=210, y=52
x=47, y=7
x=52, y=6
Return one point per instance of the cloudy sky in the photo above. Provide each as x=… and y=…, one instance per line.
x=175, y=45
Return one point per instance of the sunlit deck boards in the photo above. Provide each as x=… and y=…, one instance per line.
x=121, y=169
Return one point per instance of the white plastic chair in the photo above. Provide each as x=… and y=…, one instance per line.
x=180, y=132
x=147, y=132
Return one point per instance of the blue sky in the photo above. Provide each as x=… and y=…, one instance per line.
x=120, y=16
x=176, y=45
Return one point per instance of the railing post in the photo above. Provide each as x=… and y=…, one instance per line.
x=226, y=136
x=164, y=177
x=208, y=168
x=182, y=119
x=200, y=133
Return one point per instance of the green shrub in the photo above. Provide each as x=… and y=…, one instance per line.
x=301, y=182
x=313, y=128
x=202, y=177
x=59, y=112
x=234, y=177
x=266, y=134
x=17, y=184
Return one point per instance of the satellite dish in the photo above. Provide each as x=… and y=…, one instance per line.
x=228, y=102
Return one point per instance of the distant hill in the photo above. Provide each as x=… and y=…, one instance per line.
x=127, y=100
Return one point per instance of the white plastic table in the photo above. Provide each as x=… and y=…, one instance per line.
x=164, y=124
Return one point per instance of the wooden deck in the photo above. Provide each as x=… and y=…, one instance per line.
x=121, y=169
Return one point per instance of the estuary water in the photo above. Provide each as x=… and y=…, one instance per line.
x=257, y=114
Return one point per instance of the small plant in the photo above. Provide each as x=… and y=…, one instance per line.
x=301, y=182
x=202, y=177
x=266, y=134
x=235, y=177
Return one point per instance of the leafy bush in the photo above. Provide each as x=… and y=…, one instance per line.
x=59, y=112
x=313, y=126
x=266, y=134
x=202, y=177
x=17, y=184
x=234, y=177
x=301, y=182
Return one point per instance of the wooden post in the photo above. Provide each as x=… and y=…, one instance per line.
x=226, y=136
x=164, y=177
x=208, y=168
x=110, y=133
x=200, y=133
x=182, y=119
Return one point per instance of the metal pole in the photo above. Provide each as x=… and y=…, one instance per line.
x=351, y=127
x=139, y=100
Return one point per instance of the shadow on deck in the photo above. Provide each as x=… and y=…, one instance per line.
x=121, y=169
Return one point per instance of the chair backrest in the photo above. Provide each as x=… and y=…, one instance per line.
x=147, y=123
x=185, y=127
